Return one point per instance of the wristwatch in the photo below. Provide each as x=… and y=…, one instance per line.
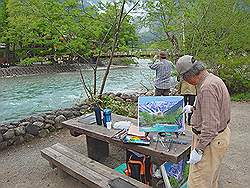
x=199, y=151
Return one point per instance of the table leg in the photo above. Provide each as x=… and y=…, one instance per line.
x=97, y=149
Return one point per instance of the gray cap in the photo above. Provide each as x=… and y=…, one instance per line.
x=184, y=64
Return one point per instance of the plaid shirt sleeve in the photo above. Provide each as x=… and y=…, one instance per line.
x=210, y=112
x=154, y=66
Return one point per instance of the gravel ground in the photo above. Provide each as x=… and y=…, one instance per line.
x=23, y=166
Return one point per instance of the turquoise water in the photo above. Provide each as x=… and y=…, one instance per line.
x=28, y=95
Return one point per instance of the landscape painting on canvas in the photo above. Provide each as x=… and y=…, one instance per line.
x=161, y=113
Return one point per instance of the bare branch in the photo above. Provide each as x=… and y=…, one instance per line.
x=130, y=11
x=99, y=54
x=113, y=48
x=87, y=90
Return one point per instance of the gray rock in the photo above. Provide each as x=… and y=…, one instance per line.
x=18, y=140
x=9, y=134
x=50, y=127
x=49, y=121
x=134, y=98
x=28, y=137
x=76, y=108
x=10, y=141
x=84, y=107
x=1, y=137
x=40, y=118
x=87, y=103
x=59, y=112
x=118, y=94
x=129, y=100
x=14, y=123
x=119, y=99
x=50, y=113
x=47, y=126
x=19, y=130
x=68, y=114
x=32, y=129
x=24, y=123
x=112, y=95
x=3, y=129
x=125, y=96
x=50, y=117
x=67, y=109
x=77, y=113
x=36, y=118
x=149, y=93
x=39, y=124
x=11, y=126
x=58, y=126
x=105, y=95
x=59, y=120
x=43, y=133
x=3, y=145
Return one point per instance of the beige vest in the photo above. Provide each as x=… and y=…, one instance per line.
x=187, y=89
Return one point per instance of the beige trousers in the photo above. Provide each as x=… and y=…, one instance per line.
x=205, y=174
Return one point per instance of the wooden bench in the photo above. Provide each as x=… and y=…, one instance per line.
x=86, y=170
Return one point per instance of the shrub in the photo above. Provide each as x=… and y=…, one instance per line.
x=241, y=97
x=30, y=61
x=119, y=107
x=235, y=73
x=123, y=61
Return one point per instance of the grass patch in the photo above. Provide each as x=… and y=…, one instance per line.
x=241, y=97
x=123, y=61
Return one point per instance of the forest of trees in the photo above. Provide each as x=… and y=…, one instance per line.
x=216, y=31
x=49, y=26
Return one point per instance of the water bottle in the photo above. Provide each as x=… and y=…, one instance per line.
x=107, y=118
x=98, y=115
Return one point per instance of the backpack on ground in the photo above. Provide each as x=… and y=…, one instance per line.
x=139, y=167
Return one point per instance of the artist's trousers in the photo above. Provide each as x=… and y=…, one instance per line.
x=161, y=92
x=205, y=174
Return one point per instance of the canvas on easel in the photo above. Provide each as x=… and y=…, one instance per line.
x=161, y=113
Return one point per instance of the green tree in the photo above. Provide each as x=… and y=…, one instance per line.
x=69, y=27
x=3, y=17
x=216, y=31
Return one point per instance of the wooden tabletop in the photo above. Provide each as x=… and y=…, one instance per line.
x=158, y=152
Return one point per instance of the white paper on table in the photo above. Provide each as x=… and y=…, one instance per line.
x=122, y=125
x=134, y=130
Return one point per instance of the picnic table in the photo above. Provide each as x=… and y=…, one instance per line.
x=99, y=137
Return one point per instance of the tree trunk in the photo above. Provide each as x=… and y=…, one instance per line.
x=113, y=49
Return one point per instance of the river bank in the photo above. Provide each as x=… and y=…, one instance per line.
x=42, y=125
x=28, y=95
x=17, y=71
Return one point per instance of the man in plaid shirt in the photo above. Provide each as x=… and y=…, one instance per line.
x=211, y=115
x=163, y=70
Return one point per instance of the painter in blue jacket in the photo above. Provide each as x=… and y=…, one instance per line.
x=163, y=70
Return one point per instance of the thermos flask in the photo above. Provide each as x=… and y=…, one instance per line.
x=98, y=115
x=107, y=118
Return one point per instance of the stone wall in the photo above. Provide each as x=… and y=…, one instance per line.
x=16, y=133
x=39, y=69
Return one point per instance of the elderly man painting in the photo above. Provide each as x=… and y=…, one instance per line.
x=211, y=115
x=163, y=70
